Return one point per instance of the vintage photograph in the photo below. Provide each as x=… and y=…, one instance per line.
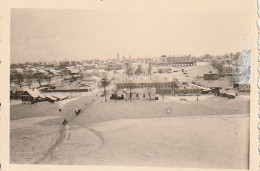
x=155, y=87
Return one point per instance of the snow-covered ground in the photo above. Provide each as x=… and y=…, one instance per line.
x=203, y=142
x=200, y=142
x=204, y=134
x=169, y=132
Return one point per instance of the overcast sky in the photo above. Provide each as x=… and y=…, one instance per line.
x=59, y=34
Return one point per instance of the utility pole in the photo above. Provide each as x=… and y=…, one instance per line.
x=174, y=84
x=197, y=88
x=104, y=83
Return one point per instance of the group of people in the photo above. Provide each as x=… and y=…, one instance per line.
x=76, y=112
x=65, y=120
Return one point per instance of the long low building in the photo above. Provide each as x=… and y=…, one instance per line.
x=175, y=61
x=162, y=87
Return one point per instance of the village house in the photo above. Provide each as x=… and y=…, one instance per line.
x=32, y=96
x=229, y=93
x=242, y=87
x=189, y=89
x=164, y=69
x=97, y=73
x=229, y=69
x=70, y=71
x=50, y=99
x=90, y=67
x=53, y=72
x=90, y=81
x=16, y=71
x=71, y=78
x=16, y=92
x=211, y=76
x=114, y=66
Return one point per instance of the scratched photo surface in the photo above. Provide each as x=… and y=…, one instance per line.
x=150, y=87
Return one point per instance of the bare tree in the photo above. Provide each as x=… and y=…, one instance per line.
x=175, y=84
x=20, y=79
x=220, y=68
x=151, y=92
x=129, y=88
x=162, y=94
x=29, y=80
x=49, y=79
x=12, y=77
x=39, y=78
x=150, y=68
x=130, y=92
x=197, y=88
x=213, y=63
x=139, y=70
x=128, y=69
x=233, y=79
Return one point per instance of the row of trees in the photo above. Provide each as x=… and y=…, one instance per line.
x=218, y=65
x=20, y=79
x=129, y=71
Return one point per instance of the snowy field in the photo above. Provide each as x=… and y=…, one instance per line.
x=169, y=133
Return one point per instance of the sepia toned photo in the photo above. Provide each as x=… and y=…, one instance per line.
x=146, y=88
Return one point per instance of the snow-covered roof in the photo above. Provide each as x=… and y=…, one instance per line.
x=34, y=93
x=228, y=65
x=51, y=97
x=164, y=67
x=59, y=96
x=147, y=80
x=200, y=87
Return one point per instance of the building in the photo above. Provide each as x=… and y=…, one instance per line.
x=242, y=87
x=228, y=69
x=70, y=71
x=53, y=72
x=89, y=67
x=164, y=69
x=114, y=66
x=175, y=61
x=161, y=87
x=189, y=89
x=211, y=76
x=51, y=99
x=97, y=73
x=71, y=78
x=136, y=94
x=230, y=94
x=16, y=92
x=32, y=96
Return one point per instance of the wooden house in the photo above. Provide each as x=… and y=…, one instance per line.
x=32, y=96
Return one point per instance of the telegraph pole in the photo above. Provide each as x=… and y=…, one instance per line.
x=197, y=88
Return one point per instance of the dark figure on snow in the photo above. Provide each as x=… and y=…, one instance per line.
x=65, y=122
